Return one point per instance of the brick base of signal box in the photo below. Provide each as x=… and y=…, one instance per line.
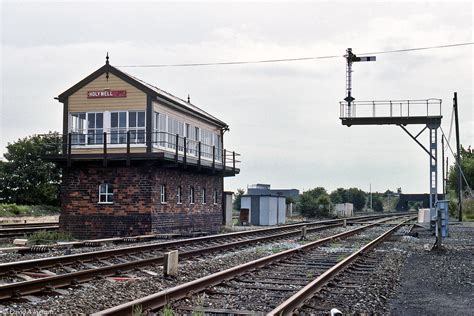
x=137, y=208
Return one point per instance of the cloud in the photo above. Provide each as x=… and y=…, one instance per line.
x=283, y=117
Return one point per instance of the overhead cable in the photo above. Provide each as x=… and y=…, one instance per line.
x=224, y=63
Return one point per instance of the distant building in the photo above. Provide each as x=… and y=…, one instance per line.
x=266, y=206
x=264, y=209
x=264, y=189
x=344, y=210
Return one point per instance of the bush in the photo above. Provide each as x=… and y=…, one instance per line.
x=315, y=202
x=468, y=210
x=8, y=210
x=48, y=237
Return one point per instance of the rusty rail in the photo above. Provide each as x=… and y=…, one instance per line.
x=157, y=300
x=295, y=301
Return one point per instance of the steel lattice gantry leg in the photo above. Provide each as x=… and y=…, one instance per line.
x=433, y=165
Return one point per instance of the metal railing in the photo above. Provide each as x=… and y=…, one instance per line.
x=391, y=108
x=181, y=147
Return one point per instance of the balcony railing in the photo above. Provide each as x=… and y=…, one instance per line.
x=123, y=141
x=391, y=108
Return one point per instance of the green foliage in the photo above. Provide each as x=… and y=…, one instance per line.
x=48, y=237
x=290, y=200
x=137, y=310
x=26, y=178
x=237, y=199
x=357, y=197
x=467, y=167
x=352, y=195
x=167, y=310
x=7, y=210
x=377, y=204
x=315, y=202
x=468, y=210
x=339, y=196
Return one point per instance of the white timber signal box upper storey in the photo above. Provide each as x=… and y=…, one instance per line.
x=115, y=112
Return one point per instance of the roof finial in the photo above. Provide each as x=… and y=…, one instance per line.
x=107, y=66
x=189, y=98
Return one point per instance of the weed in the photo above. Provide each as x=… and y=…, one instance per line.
x=341, y=257
x=137, y=310
x=167, y=310
x=309, y=275
x=259, y=251
x=48, y=237
x=334, y=245
x=200, y=305
x=7, y=210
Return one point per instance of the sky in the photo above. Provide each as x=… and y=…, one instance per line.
x=283, y=117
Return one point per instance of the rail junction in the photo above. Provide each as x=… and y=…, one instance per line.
x=47, y=274
x=278, y=284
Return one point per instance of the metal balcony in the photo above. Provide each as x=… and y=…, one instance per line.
x=131, y=145
x=392, y=112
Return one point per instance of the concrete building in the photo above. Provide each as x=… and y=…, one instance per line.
x=265, y=189
x=137, y=159
x=344, y=210
x=264, y=209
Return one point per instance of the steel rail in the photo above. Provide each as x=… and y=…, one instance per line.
x=297, y=300
x=42, y=263
x=24, y=225
x=48, y=283
x=157, y=300
x=18, y=231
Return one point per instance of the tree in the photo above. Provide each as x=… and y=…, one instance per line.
x=25, y=177
x=338, y=196
x=377, y=204
x=237, y=199
x=467, y=167
x=315, y=202
x=357, y=197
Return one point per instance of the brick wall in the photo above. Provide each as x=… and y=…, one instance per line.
x=137, y=208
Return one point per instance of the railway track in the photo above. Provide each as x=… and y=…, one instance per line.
x=277, y=284
x=21, y=229
x=39, y=275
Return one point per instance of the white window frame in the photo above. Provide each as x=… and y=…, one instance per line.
x=134, y=131
x=109, y=196
x=163, y=194
x=203, y=195
x=81, y=137
x=119, y=129
x=179, y=195
x=77, y=128
x=191, y=195
x=97, y=137
x=160, y=128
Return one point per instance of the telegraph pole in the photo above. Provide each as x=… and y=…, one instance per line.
x=458, y=154
x=442, y=164
x=447, y=174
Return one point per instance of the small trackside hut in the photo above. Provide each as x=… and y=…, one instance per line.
x=138, y=160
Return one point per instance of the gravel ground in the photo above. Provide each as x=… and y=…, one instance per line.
x=60, y=251
x=438, y=282
x=403, y=277
x=14, y=256
x=364, y=288
x=100, y=294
